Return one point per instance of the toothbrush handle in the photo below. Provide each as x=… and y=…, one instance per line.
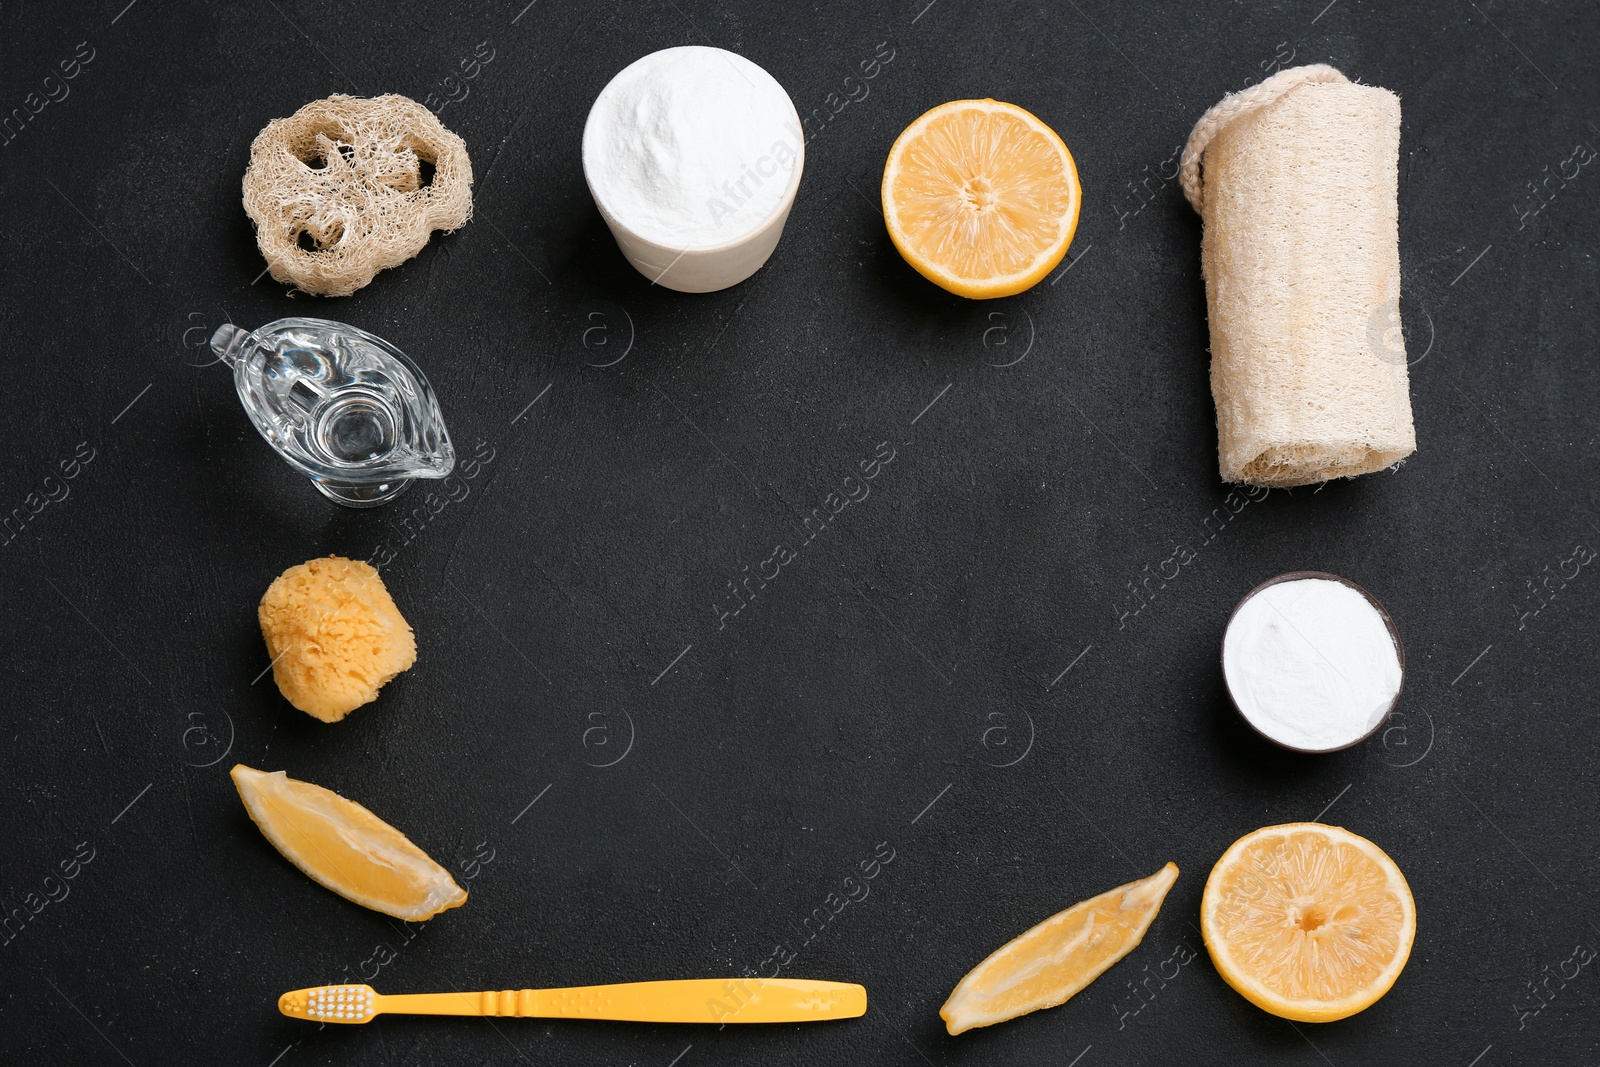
x=695, y=1000
x=436, y=1003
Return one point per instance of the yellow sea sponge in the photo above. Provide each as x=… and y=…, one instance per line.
x=334, y=635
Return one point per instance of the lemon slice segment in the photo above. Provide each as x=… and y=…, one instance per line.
x=1307, y=921
x=981, y=198
x=1059, y=957
x=345, y=847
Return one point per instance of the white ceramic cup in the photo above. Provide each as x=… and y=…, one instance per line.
x=708, y=268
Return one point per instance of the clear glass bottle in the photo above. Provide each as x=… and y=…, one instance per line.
x=344, y=407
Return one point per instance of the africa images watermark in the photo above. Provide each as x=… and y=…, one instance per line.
x=778, y=160
x=52, y=90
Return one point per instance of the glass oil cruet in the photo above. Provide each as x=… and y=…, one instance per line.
x=345, y=408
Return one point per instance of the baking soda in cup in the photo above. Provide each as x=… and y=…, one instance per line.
x=693, y=156
x=1312, y=661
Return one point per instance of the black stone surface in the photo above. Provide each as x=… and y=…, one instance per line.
x=951, y=672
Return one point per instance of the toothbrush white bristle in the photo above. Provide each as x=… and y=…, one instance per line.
x=331, y=1003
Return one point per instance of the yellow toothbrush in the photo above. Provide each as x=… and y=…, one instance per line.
x=691, y=1000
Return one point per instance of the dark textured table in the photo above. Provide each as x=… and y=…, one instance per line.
x=641, y=766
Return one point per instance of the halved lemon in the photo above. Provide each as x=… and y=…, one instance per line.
x=345, y=847
x=981, y=198
x=1057, y=958
x=1307, y=921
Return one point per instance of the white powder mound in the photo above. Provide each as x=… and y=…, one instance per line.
x=1311, y=663
x=691, y=147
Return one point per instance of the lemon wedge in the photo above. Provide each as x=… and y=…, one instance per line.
x=345, y=847
x=981, y=198
x=1307, y=921
x=1059, y=957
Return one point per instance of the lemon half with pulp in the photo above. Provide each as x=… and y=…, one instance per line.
x=1309, y=922
x=981, y=198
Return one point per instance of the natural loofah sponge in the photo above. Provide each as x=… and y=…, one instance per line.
x=334, y=635
x=336, y=190
x=1301, y=257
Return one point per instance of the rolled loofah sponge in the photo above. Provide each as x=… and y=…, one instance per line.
x=344, y=176
x=334, y=635
x=1301, y=258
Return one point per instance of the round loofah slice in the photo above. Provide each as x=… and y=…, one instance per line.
x=335, y=636
x=336, y=190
